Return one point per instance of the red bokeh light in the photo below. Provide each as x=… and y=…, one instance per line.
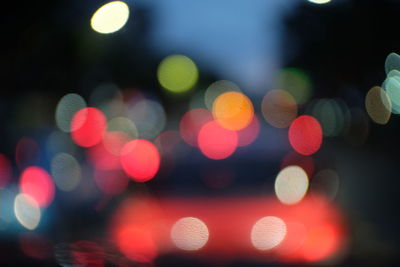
x=89, y=125
x=305, y=162
x=305, y=135
x=136, y=242
x=321, y=242
x=216, y=142
x=191, y=123
x=315, y=229
x=5, y=171
x=249, y=134
x=37, y=183
x=140, y=159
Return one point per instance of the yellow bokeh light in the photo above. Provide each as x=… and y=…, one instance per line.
x=233, y=110
x=268, y=232
x=177, y=73
x=378, y=105
x=189, y=233
x=27, y=211
x=110, y=17
x=291, y=185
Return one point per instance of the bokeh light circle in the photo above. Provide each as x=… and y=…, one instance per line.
x=37, y=183
x=233, y=110
x=305, y=135
x=268, y=232
x=378, y=105
x=291, y=185
x=136, y=242
x=191, y=123
x=279, y=108
x=65, y=110
x=392, y=87
x=296, y=82
x=65, y=171
x=110, y=17
x=177, y=73
x=27, y=211
x=140, y=159
x=392, y=62
x=217, y=88
x=248, y=135
x=331, y=115
x=148, y=116
x=216, y=142
x=123, y=124
x=89, y=125
x=319, y=1
x=189, y=233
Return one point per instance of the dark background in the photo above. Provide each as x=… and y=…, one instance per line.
x=48, y=49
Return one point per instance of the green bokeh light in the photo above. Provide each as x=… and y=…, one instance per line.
x=296, y=82
x=177, y=73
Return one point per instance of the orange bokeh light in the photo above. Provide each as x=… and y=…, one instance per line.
x=233, y=110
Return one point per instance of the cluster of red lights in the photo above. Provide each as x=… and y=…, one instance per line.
x=142, y=228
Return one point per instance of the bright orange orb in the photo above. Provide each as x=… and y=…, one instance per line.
x=233, y=110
